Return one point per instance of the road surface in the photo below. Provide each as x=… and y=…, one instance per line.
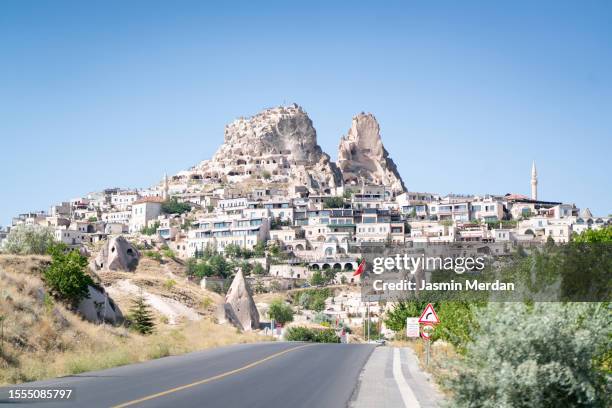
x=279, y=374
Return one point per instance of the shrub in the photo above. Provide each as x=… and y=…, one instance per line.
x=312, y=299
x=29, y=239
x=456, y=319
x=280, y=311
x=168, y=253
x=266, y=175
x=154, y=255
x=300, y=333
x=151, y=230
x=169, y=284
x=544, y=355
x=66, y=275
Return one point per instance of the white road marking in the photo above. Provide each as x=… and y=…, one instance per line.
x=408, y=396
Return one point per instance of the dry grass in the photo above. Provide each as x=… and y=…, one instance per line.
x=440, y=355
x=43, y=339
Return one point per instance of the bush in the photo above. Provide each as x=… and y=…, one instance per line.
x=66, y=275
x=311, y=335
x=312, y=299
x=151, y=230
x=154, y=255
x=169, y=284
x=258, y=269
x=168, y=253
x=28, y=240
x=544, y=355
x=280, y=311
x=456, y=319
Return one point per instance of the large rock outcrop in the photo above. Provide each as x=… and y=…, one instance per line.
x=117, y=254
x=239, y=307
x=278, y=144
x=99, y=307
x=362, y=158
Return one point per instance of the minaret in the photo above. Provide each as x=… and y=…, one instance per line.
x=165, y=191
x=534, y=182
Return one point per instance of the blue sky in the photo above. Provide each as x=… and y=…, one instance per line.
x=467, y=93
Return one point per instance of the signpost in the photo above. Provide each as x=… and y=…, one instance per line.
x=412, y=327
x=429, y=315
x=429, y=319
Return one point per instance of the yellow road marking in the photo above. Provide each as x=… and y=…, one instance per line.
x=209, y=379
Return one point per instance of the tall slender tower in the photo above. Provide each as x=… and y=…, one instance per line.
x=165, y=191
x=534, y=182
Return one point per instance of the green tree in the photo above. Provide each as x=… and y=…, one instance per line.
x=317, y=279
x=333, y=202
x=140, y=317
x=280, y=311
x=601, y=235
x=28, y=239
x=266, y=175
x=66, y=275
x=330, y=274
x=173, y=206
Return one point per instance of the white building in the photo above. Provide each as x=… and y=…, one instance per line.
x=143, y=211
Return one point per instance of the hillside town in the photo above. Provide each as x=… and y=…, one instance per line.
x=271, y=192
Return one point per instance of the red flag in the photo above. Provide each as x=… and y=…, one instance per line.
x=360, y=268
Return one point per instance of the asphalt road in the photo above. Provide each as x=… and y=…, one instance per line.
x=248, y=375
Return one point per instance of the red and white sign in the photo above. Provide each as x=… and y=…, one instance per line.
x=427, y=331
x=429, y=315
x=412, y=327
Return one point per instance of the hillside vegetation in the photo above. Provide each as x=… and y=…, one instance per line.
x=43, y=338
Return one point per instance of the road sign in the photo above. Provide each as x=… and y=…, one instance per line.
x=412, y=327
x=427, y=331
x=429, y=315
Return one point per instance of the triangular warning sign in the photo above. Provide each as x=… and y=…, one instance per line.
x=429, y=315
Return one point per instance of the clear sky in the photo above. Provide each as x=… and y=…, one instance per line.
x=101, y=94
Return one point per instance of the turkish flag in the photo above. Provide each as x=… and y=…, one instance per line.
x=360, y=268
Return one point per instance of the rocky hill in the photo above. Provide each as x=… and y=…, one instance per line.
x=362, y=158
x=279, y=145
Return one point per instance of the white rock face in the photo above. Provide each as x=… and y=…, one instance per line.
x=280, y=143
x=362, y=158
x=117, y=254
x=239, y=307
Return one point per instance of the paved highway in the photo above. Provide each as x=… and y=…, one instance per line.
x=249, y=375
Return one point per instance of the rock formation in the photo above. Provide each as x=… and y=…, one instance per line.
x=117, y=254
x=362, y=158
x=99, y=308
x=279, y=144
x=239, y=306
